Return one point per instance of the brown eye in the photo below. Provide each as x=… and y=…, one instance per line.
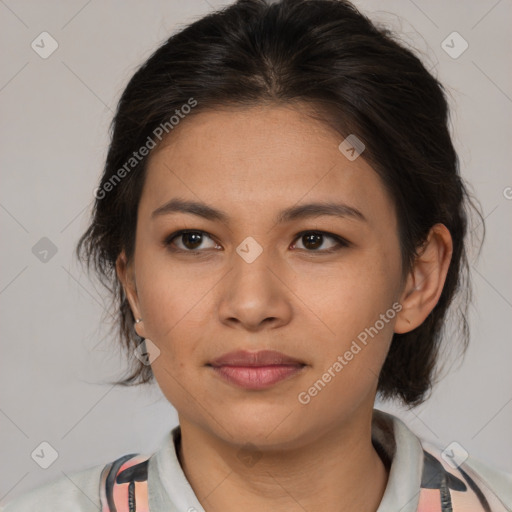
x=314, y=240
x=190, y=240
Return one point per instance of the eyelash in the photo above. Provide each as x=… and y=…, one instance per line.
x=342, y=243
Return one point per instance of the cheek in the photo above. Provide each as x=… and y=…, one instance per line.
x=357, y=306
x=174, y=317
x=176, y=304
x=360, y=314
x=356, y=295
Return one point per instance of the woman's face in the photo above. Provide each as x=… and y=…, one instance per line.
x=250, y=281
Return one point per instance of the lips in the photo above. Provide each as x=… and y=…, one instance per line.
x=256, y=370
x=261, y=358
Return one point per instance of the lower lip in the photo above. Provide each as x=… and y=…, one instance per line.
x=257, y=377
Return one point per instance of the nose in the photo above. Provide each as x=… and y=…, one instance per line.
x=254, y=295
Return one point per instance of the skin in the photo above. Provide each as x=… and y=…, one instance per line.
x=252, y=163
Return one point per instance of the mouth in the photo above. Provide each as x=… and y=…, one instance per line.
x=256, y=370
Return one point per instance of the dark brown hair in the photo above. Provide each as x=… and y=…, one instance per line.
x=357, y=79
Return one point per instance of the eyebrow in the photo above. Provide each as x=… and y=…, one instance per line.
x=289, y=214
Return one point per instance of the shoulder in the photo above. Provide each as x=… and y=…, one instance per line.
x=469, y=483
x=440, y=478
x=498, y=480
x=78, y=491
x=98, y=488
x=115, y=485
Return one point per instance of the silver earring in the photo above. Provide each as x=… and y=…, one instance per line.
x=137, y=320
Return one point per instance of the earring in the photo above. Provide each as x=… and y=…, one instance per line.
x=137, y=320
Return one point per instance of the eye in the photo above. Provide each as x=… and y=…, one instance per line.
x=312, y=240
x=190, y=240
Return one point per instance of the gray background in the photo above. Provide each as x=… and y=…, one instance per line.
x=55, y=117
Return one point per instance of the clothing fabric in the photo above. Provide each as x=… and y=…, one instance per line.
x=421, y=479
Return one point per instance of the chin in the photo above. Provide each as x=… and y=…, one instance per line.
x=281, y=429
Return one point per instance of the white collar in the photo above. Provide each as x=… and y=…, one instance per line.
x=169, y=489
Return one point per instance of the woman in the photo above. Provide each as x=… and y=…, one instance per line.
x=282, y=220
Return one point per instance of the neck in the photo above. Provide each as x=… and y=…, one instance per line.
x=337, y=472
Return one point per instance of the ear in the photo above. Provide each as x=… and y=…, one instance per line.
x=426, y=279
x=126, y=275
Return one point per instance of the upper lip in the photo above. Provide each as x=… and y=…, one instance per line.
x=260, y=358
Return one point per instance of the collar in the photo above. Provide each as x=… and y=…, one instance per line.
x=399, y=445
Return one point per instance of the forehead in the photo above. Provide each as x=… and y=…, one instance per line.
x=260, y=159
